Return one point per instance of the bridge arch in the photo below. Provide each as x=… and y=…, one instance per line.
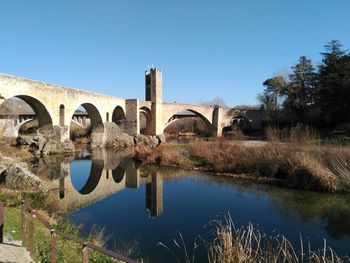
x=118, y=117
x=93, y=178
x=43, y=115
x=118, y=173
x=93, y=115
x=208, y=125
x=15, y=111
x=145, y=120
x=17, y=128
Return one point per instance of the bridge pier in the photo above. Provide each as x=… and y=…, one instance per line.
x=217, y=115
x=62, y=132
x=154, y=195
x=153, y=85
x=132, y=114
x=132, y=176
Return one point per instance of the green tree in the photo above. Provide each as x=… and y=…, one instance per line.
x=271, y=96
x=275, y=87
x=268, y=100
x=333, y=87
x=298, y=92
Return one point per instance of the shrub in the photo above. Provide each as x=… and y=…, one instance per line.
x=295, y=164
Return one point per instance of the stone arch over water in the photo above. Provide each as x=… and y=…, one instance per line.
x=187, y=113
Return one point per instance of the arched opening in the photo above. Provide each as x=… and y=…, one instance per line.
x=118, y=174
x=107, y=117
x=145, y=120
x=85, y=120
x=239, y=125
x=85, y=175
x=118, y=117
x=188, y=123
x=241, y=122
x=62, y=115
x=23, y=114
x=61, y=192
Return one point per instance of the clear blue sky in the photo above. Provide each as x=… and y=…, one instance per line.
x=205, y=48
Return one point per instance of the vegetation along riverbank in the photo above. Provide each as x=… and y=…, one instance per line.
x=298, y=162
x=248, y=243
x=67, y=251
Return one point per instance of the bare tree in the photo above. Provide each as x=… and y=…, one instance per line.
x=217, y=101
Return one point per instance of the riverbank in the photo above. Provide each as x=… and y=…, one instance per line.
x=50, y=208
x=17, y=183
x=67, y=251
x=305, y=166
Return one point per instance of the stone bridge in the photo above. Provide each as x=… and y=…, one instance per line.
x=109, y=173
x=55, y=106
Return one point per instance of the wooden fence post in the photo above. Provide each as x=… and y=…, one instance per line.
x=85, y=254
x=53, y=246
x=1, y=222
x=23, y=223
x=31, y=232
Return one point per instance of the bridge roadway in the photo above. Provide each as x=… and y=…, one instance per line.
x=55, y=105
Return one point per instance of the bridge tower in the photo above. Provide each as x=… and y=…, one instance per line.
x=153, y=90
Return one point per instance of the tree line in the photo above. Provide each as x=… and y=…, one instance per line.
x=317, y=96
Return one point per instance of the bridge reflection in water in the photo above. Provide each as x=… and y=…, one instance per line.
x=87, y=179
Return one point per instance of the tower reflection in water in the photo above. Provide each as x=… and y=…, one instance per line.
x=154, y=196
x=79, y=186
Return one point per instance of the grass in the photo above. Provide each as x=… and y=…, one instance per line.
x=249, y=244
x=296, y=160
x=7, y=149
x=67, y=251
x=12, y=227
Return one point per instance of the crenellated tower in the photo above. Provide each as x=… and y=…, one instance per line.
x=153, y=90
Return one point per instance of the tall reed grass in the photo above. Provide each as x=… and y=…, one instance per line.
x=249, y=244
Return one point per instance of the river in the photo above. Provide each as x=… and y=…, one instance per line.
x=140, y=206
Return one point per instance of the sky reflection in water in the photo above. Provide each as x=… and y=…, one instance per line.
x=147, y=206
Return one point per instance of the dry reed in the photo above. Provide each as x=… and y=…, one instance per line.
x=249, y=244
x=299, y=163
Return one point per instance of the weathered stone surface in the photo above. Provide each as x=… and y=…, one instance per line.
x=45, y=144
x=16, y=175
x=146, y=140
x=122, y=141
x=154, y=141
x=54, y=147
x=161, y=138
x=25, y=140
x=12, y=251
x=141, y=139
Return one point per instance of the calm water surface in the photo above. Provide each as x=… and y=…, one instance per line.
x=141, y=206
